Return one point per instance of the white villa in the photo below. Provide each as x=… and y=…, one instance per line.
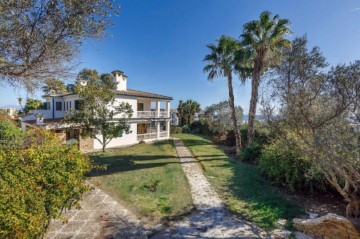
x=150, y=120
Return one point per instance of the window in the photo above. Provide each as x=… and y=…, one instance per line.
x=67, y=105
x=58, y=106
x=64, y=105
x=45, y=106
x=70, y=105
x=79, y=104
x=140, y=106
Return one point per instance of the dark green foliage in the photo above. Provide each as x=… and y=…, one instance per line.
x=200, y=127
x=252, y=153
x=262, y=137
x=37, y=183
x=186, y=111
x=175, y=129
x=32, y=104
x=286, y=166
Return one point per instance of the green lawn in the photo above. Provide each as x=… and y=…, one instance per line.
x=240, y=185
x=147, y=178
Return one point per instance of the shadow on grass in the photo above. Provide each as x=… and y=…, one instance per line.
x=242, y=187
x=116, y=160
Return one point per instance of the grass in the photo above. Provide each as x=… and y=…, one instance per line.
x=147, y=178
x=241, y=186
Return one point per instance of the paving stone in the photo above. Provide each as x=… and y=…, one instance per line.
x=98, y=218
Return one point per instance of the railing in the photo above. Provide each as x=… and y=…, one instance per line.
x=152, y=135
x=152, y=114
x=141, y=137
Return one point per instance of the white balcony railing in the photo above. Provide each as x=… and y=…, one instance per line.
x=152, y=135
x=152, y=114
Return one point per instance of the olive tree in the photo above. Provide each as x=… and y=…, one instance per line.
x=219, y=116
x=317, y=110
x=40, y=38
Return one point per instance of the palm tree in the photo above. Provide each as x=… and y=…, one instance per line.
x=265, y=38
x=181, y=112
x=221, y=63
x=191, y=108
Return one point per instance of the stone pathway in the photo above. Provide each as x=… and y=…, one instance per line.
x=211, y=220
x=100, y=217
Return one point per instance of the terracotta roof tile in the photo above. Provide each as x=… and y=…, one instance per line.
x=143, y=94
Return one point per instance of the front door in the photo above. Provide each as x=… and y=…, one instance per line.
x=142, y=128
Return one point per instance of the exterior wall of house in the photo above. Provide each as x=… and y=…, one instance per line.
x=126, y=139
x=127, y=99
x=147, y=104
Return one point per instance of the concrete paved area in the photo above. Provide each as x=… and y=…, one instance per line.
x=100, y=217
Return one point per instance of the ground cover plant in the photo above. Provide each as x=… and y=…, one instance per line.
x=241, y=186
x=147, y=178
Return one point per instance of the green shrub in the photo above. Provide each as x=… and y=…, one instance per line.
x=200, y=127
x=175, y=129
x=251, y=154
x=10, y=135
x=37, y=182
x=286, y=166
x=262, y=135
x=186, y=129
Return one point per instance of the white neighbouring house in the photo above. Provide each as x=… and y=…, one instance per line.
x=150, y=120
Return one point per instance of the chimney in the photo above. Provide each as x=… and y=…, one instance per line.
x=121, y=79
x=39, y=119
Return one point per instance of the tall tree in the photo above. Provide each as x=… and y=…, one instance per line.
x=265, y=37
x=40, y=38
x=99, y=117
x=181, y=112
x=219, y=116
x=54, y=86
x=191, y=108
x=32, y=104
x=318, y=112
x=186, y=111
x=221, y=63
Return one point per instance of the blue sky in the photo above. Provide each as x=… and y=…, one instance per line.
x=160, y=44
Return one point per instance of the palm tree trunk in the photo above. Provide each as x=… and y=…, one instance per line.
x=233, y=115
x=254, y=96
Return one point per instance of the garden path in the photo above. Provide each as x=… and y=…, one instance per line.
x=101, y=217
x=211, y=219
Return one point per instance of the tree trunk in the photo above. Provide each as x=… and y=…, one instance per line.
x=103, y=143
x=258, y=64
x=233, y=115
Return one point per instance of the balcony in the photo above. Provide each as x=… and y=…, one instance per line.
x=152, y=114
x=153, y=135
